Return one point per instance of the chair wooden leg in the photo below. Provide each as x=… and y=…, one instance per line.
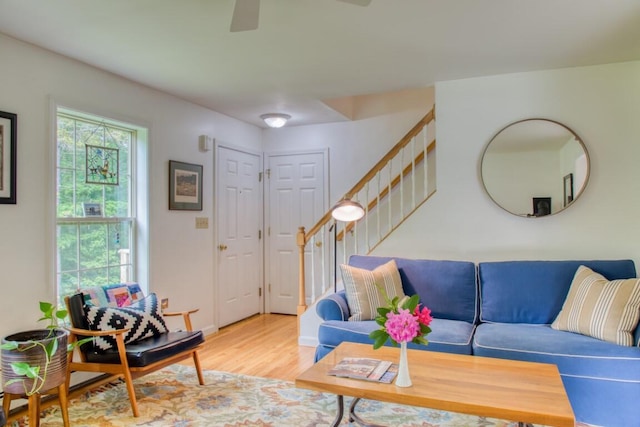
x=196, y=362
x=34, y=410
x=64, y=403
x=132, y=393
x=6, y=404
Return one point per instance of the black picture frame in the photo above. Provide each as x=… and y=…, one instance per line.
x=541, y=206
x=568, y=189
x=185, y=186
x=8, y=157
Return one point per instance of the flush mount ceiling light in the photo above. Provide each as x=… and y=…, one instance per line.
x=275, y=120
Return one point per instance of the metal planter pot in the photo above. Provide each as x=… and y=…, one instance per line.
x=30, y=350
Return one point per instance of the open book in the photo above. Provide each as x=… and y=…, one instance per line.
x=363, y=368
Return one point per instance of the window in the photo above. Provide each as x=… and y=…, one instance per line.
x=95, y=202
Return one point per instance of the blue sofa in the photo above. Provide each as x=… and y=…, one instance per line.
x=504, y=310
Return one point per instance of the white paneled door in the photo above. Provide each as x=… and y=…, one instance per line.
x=296, y=197
x=239, y=222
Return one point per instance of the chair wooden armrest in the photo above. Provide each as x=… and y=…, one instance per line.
x=186, y=315
x=90, y=333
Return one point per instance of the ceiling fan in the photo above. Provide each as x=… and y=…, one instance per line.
x=246, y=13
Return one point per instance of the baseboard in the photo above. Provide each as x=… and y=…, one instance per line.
x=308, y=341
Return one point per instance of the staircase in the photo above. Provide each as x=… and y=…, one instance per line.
x=390, y=192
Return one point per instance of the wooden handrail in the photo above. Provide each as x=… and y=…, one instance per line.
x=374, y=170
x=394, y=183
x=303, y=237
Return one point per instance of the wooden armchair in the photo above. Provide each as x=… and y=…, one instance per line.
x=127, y=356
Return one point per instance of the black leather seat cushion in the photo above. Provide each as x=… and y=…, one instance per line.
x=150, y=350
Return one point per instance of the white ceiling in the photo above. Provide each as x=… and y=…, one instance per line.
x=307, y=51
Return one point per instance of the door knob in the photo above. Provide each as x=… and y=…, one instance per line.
x=222, y=247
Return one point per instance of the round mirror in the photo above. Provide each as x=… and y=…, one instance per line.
x=535, y=167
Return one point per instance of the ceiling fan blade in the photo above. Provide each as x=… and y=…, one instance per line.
x=357, y=2
x=245, y=15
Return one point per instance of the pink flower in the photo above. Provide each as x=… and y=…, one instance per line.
x=403, y=326
x=424, y=315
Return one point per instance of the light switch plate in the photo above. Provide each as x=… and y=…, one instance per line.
x=202, y=222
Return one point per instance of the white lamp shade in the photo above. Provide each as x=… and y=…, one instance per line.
x=274, y=120
x=347, y=210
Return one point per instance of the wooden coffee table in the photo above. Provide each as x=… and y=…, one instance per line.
x=525, y=392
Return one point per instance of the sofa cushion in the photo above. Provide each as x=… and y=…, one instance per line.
x=448, y=288
x=534, y=291
x=367, y=290
x=142, y=318
x=607, y=310
x=574, y=354
x=450, y=336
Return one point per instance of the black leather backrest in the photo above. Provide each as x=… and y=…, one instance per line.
x=75, y=306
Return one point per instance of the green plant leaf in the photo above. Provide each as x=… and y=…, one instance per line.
x=46, y=308
x=51, y=348
x=411, y=303
x=9, y=345
x=24, y=369
x=379, y=342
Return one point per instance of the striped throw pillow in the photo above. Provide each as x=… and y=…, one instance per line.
x=365, y=289
x=599, y=308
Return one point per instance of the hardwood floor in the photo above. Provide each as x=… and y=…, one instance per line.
x=264, y=345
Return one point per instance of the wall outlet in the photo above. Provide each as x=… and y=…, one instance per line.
x=164, y=303
x=202, y=222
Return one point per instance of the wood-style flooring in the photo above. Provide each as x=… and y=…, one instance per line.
x=264, y=345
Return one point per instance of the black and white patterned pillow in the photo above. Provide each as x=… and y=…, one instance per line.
x=143, y=319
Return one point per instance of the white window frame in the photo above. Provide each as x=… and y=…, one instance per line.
x=139, y=205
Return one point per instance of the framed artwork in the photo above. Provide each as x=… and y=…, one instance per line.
x=8, y=157
x=92, y=209
x=185, y=186
x=568, y=189
x=541, y=206
x=102, y=165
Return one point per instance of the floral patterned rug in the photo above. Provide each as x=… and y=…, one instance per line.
x=172, y=397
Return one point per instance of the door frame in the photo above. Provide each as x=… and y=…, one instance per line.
x=267, y=205
x=216, y=224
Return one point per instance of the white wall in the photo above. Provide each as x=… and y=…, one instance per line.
x=181, y=258
x=355, y=146
x=600, y=103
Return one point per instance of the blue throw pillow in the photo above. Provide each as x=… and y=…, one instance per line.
x=143, y=319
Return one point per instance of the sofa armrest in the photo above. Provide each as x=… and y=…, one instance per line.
x=334, y=307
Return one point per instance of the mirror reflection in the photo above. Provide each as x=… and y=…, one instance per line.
x=535, y=167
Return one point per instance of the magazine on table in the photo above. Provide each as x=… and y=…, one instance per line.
x=364, y=368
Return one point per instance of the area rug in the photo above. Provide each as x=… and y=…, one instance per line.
x=172, y=397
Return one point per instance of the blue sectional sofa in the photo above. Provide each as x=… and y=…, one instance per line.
x=504, y=310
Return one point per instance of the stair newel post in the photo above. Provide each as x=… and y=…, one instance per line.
x=302, y=305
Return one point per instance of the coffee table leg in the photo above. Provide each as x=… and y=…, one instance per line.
x=340, y=413
x=354, y=418
x=521, y=424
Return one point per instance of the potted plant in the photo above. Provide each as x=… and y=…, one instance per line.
x=36, y=360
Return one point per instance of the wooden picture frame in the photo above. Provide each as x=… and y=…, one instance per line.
x=568, y=189
x=8, y=157
x=185, y=186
